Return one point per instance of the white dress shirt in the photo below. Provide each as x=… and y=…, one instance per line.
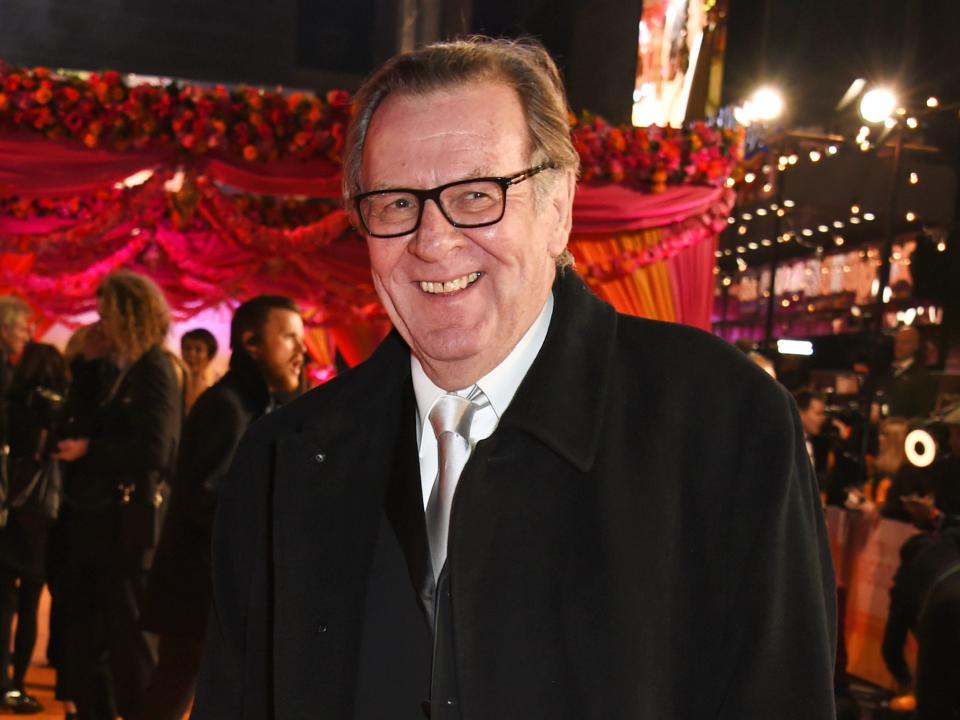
x=499, y=385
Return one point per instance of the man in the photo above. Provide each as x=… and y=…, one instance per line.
x=813, y=414
x=925, y=601
x=909, y=390
x=266, y=338
x=633, y=525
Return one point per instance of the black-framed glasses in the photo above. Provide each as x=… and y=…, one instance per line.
x=471, y=203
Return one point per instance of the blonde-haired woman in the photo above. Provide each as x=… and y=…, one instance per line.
x=113, y=518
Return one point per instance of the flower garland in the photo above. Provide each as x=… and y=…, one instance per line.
x=676, y=238
x=253, y=125
x=103, y=110
x=652, y=158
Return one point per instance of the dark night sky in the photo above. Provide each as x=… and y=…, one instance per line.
x=815, y=48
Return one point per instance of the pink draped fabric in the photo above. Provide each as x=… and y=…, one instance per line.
x=609, y=209
x=33, y=226
x=314, y=178
x=691, y=283
x=32, y=166
x=37, y=167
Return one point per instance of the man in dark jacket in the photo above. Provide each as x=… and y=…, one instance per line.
x=524, y=505
x=925, y=600
x=909, y=390
x=266, y=338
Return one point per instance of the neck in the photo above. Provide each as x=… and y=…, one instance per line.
x=457, y=375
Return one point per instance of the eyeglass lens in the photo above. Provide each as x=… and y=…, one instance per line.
x=469, y=203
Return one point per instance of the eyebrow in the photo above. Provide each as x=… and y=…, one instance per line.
x=479, y=171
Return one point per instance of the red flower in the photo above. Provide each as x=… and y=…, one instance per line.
x=74, y=122
x=249, y=153
x=338, y=98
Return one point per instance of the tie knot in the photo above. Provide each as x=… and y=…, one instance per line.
x=452, y=413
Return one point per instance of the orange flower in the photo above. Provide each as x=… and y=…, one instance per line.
x=43, y=95
x=616, y=140
x=90, y=140
x=3, y=102
x=249, y=153
x=294, y=100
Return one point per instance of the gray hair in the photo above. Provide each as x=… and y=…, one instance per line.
x=12, y=309
x=523, y=65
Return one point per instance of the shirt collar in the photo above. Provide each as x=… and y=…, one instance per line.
x=500, y=384
x=901, y=366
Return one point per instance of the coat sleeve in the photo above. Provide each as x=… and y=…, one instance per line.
x=210, y=438
x=235, y=677
x=780, y=634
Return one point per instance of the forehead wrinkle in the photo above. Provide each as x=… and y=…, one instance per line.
x=478, y=171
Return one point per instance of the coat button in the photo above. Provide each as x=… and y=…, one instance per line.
x=451, y=701
x=322, y=628
x=319, y=457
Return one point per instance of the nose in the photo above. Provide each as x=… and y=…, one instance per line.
x=435, y=237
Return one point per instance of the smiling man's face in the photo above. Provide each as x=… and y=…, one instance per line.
x=500, y=274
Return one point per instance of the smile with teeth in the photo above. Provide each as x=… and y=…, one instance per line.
x=442, y=288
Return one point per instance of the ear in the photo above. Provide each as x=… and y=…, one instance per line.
x=559, y=211
x=249, y=345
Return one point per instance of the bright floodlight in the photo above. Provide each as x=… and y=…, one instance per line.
x=920, y=448
x=877, y=105
x=795, y=347
x=767, y=104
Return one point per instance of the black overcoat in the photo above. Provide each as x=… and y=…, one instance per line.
x=640, y=538
x=178, y=589
x=133, y=441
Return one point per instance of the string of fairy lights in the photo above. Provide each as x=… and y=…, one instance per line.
x=824, y=236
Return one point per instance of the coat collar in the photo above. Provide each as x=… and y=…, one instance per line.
x=560, y=401
x=246, y=377
x=562, y=397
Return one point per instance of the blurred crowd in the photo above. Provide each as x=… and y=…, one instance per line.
x=890, y=449
x=112, y=456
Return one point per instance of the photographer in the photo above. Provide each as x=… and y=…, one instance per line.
x=33, y=403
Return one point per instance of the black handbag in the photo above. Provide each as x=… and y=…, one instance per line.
x=40, y=499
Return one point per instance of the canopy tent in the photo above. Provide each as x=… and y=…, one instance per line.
x=242, y=198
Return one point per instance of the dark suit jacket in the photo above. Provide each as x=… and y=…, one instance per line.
x=924, y=561
x=912, y=394
x=178, y=589
x=640, y=538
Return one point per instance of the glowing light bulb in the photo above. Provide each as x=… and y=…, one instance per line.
x=766, y=104
x=877, y=105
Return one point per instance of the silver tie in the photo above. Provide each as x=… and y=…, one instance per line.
x=450, y=418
